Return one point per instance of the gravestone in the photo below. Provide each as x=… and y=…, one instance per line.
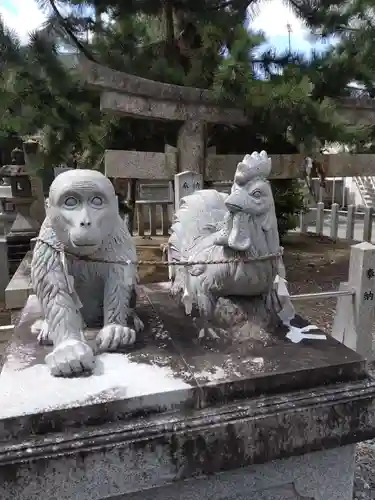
x=32, y=162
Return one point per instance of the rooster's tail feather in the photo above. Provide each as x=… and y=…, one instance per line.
x=199, y=213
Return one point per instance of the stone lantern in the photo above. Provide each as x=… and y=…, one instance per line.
x=18, y=180
x=20, y=197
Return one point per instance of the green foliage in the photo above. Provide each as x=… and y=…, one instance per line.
x=40, y=97
x=288, y=98
x=289, y=202
x=204, y=45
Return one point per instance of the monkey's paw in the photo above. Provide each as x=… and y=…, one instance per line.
x=138, y=323
x=112, y=337
x=69, y=358
x=40, y=328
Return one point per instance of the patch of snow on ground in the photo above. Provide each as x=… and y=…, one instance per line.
x=35, y=390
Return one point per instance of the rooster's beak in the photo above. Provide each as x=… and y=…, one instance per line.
x=235, y=201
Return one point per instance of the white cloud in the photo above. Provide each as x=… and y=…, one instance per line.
x=273, y=17
x=22, y=16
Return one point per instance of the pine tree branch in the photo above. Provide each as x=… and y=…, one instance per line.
x=230, y=3
x=66, y=26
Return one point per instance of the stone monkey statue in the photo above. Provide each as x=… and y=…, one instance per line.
x=82, y=223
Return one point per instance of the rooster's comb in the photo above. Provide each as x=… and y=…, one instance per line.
x=252, y=166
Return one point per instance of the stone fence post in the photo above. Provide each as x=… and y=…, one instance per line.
x=354, y=318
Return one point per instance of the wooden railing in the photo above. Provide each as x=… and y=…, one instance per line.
x=153, y=218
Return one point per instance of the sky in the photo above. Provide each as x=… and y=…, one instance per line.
x=23, y=16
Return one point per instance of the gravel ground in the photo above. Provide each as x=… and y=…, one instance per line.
x=312, y=264
x=316, y=264
x=364, y=480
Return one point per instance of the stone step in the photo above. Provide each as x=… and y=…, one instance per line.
x=150, y=249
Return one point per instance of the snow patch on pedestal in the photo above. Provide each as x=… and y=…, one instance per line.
x=34, y=390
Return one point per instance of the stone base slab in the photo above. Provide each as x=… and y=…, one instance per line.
x=324, y=475
x=247, y=416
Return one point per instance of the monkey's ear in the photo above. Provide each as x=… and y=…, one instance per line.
x=46, y=204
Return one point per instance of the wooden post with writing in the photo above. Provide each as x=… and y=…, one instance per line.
x=186, y=183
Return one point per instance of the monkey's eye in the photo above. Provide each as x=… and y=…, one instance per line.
x=97, y=201
x=257, y=193
x=70, y=202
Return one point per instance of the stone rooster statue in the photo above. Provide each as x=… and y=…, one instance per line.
x=242, y=226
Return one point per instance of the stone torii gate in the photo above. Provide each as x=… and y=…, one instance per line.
x=128, y=95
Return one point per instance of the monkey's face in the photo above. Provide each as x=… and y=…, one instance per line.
x=83, y=215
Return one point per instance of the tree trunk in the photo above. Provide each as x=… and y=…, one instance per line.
x=168, y=23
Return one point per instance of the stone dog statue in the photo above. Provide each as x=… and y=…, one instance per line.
x=72, y=281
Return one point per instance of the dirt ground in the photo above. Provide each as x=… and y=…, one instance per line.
x=315, y=264
x=312, y=264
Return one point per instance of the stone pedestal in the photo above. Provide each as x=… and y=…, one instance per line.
x=23, y=229
x=182, y=417
x=324, y=475
x=19, y=288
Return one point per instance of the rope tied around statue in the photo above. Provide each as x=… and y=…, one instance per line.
x=279, y=282
x=185, y=263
